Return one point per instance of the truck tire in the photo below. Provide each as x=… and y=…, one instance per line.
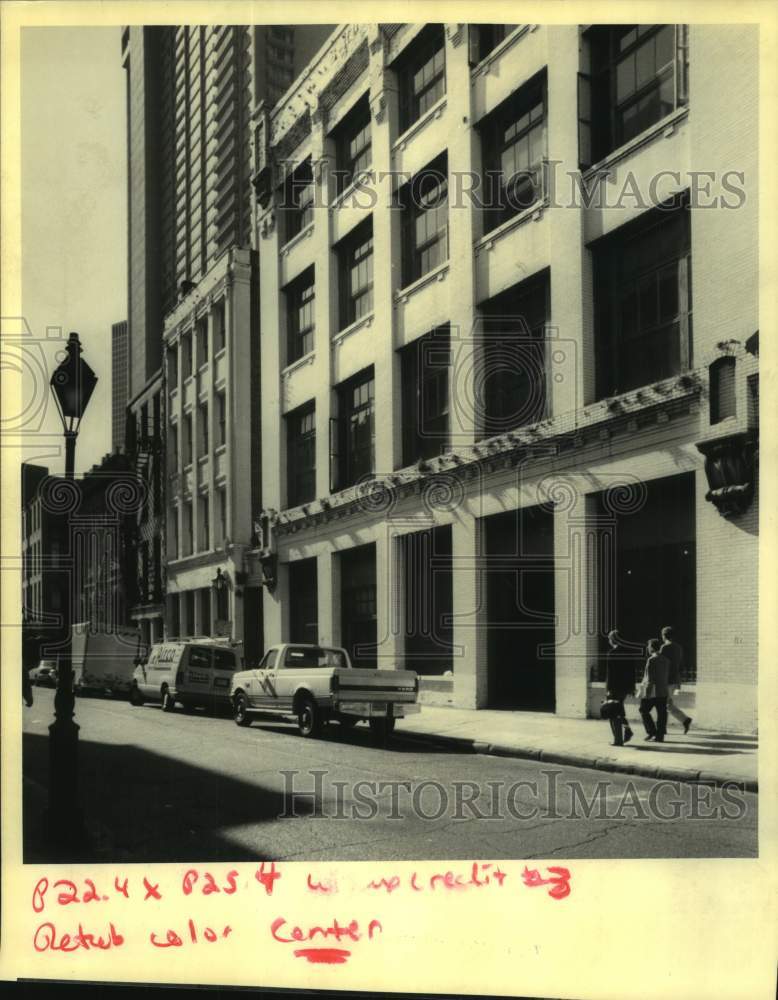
x=168, y=701
x=382, y=729
x=136, y=698
x=240, y=710
x=309, y=720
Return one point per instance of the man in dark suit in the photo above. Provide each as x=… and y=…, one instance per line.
x=619, y=682
x=674, y=653
x=655, y=692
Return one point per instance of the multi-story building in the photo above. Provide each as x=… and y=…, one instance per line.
x=192, y=309
x=498, y=417
x=119, y=383
x=44, y=542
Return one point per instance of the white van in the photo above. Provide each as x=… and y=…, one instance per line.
x=192, y=672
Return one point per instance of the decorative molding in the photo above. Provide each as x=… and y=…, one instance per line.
x=455, y=33
x=268, y=224
x=378, y=107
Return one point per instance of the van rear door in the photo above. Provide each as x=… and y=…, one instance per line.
x=197, y=674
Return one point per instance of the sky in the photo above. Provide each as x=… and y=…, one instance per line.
x=74, y=214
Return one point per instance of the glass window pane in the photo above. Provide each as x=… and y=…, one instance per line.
x=625, y=78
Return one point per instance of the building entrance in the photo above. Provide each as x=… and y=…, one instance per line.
x=428, y=600
x=359, y=628
x=519, y=558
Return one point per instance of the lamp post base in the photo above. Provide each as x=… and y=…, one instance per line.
x=64, y=820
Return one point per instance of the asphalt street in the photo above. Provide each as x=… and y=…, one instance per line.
x=176, y=787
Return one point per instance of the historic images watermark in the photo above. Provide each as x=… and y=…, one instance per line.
x=550, y=796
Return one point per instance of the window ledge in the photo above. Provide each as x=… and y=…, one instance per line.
x=363, y=321
x=436, y=274
x=666, y=126
x=482, y=68
x=436, y=111
x=361, y=181
x=306, y=359
x=534, y=211
x=220, y=354
x=203, y=460
x=220, y=449
x=304, y=234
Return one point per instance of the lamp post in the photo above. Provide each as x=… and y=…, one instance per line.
x=72, y=384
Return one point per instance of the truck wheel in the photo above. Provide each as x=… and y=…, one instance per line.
x=136, y=698
x=240, y=710
x=168, y=701
x=309, y=720
x=382, y=729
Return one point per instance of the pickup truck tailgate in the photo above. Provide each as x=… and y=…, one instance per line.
x=397, y=686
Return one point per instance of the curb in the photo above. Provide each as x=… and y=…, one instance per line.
x=572, y=759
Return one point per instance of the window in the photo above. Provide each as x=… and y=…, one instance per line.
x=205, y=611
x=353, y=144
x=643, y=310
x=221, y=507
x=424, y=202
x=205, y=524
x=173, y=439
x=422, y=74
x=513, y=140
x=298, y=201
x=355, y=254
x=172, y=368
x=219, y=330
x=484, y=38
x=512, y=365
x=301, y=455
x=639, y=74
x=425, y=375
x=300, y=309
x=221, y=417
x=307, y=658
x=202, y=420
x=188, y=530
x=186, y=355
x=188, y=439
x=201, y=335
x=355, y=436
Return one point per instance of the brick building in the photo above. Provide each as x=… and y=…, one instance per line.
x=498, y=417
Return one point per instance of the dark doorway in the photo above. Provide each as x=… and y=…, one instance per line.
x=520, y=602
x=428, y=600
x=358, y=604
x=654, y=580
x=303, y=601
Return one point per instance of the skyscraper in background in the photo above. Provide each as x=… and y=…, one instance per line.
x=192, y=361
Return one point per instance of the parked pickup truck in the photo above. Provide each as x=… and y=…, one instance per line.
x=317, y=684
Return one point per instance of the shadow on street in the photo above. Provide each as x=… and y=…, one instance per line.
x=141, y=806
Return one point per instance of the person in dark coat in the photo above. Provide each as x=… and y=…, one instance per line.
x=619, y=682
x=654, y=693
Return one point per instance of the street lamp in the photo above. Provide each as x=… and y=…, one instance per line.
x=72, y=383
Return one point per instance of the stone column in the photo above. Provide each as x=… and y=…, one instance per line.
x=464, y=168
x=386, y=248
x=470, y=612
x=328, y=597
x=388, y=563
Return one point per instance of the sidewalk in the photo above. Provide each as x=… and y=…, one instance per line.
x=703, y=755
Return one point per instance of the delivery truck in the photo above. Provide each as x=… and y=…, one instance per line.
x=103, y=662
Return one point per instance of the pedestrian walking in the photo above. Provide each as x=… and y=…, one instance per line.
x=654, y=692
x=619, y=682
x=674, y=652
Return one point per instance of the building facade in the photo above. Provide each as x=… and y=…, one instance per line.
x=119, y=383
x=191, y=92
x=498, y=417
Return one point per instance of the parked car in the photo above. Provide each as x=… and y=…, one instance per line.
x=45, y=674
x=192, y=672
x=316, y=684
